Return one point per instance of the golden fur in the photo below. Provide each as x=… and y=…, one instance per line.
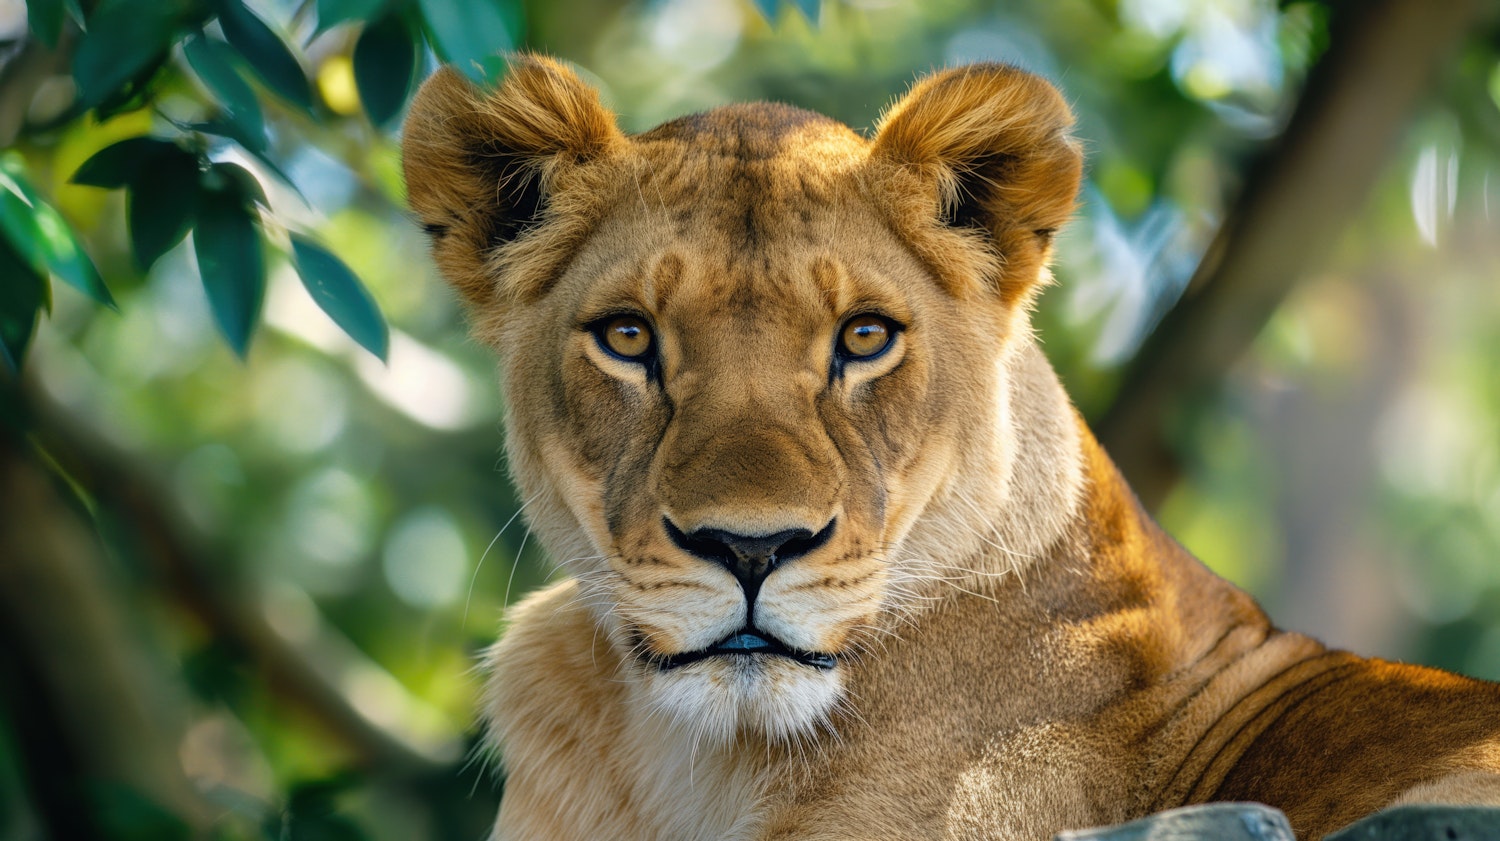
x=1017, y=648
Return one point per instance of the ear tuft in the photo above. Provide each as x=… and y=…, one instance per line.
x=990, y=145
x=481, y=169
x=543, y=108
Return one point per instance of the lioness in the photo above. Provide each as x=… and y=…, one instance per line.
x=844, y=561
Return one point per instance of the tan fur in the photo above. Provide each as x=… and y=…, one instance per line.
x=1019, y=649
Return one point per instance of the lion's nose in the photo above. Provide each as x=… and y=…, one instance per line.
x=749, y=557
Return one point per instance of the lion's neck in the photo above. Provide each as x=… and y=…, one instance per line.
x=1018, y=482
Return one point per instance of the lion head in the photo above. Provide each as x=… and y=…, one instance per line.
x=756, y=364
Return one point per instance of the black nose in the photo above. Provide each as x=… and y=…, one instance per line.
x=749, y=557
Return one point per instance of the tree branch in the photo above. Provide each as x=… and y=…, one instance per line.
x=176, y=552
x=1383, y=57
x=108, y=712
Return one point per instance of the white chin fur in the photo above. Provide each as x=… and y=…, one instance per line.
x=717, y=698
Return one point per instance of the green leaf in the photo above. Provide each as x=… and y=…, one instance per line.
x=46, y=19
x=472, y=34
x=125, y=39
x=331, y=13
x=385, y=63
x=163, y=198
x=243, y=180
x=22, y=294
x=227, y=243
x=768, y=9
x=115, y=165
x=254, y=146
x=66, y=258
x=340, y=294
x=18, y=225
x=43, y=238
x=213, y=61
x=809, y=8
x=268, y=55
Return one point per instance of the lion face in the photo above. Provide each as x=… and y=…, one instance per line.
x=725, y=428
x=744, y=354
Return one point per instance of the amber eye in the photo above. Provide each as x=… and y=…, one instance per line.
x=865, y=336
x=625, y=336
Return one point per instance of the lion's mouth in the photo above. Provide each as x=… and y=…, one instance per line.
x=748, y=642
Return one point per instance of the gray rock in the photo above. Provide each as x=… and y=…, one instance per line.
x=1206, y=822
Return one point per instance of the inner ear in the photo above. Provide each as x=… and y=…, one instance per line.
x=971, y=203
x=519, y=199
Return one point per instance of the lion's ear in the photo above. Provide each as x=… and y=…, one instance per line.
x=990, y=146
x=481, y=168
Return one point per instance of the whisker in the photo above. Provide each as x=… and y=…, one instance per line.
x=505, y=602
x=475, y=577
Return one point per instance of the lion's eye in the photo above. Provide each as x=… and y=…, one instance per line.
x=865, y=336
x=625, y=336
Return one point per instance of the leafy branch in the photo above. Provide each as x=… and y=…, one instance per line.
x=126, y=55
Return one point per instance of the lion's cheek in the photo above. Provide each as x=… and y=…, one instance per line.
x=668, y=614
x=921, y=441
x=820, y=610
x=900, y=436
x=903, y=412
x=604, y=428
x=564, y=484
x=602, y=414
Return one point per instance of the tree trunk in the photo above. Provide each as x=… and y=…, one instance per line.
x=1383, y=58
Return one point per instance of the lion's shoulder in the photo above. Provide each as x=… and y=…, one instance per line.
x=546, y=656
x=552, y=708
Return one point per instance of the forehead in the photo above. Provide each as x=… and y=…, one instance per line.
x=750, y=174
x=742, y=209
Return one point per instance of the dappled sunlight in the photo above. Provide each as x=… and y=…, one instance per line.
x=696, y=35
x=1434, y=190
x=423, y=384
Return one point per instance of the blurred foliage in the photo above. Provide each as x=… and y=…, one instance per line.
x=183, y=167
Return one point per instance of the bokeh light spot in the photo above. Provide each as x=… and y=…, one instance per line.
x=426, y=558
x=697, y=35
x=331, y=518
x=336, y=84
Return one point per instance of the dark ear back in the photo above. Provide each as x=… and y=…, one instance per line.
x=986, y=148
x=480, y=169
